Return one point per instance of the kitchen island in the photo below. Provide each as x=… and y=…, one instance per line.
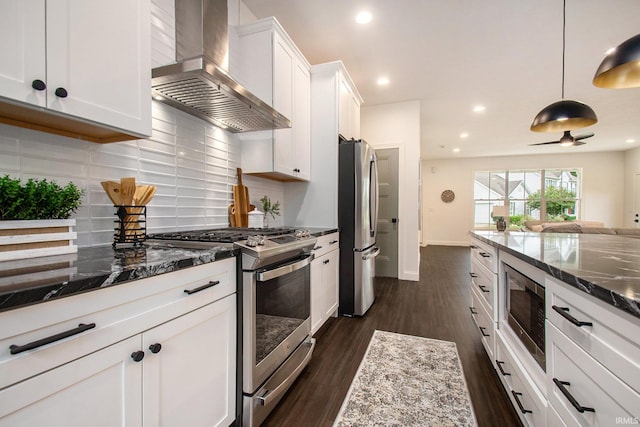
x=559, y=317
x=604, y=266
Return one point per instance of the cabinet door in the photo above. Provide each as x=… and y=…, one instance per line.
x=355, y=117
x=98, y=52
x=22, y=49
x=283, y=61
x=316, y=294
x=344, y=117
x=330, y=284
x=191, y=380
x=103, y=388
x=302, y=121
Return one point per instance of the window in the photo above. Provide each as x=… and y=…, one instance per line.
x=546, y=194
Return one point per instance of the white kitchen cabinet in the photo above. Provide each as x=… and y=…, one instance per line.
x=76, y=68
x=316, y=204
x=101, y=389
x=324, y=280
x=268, y=63
x=190, y=378
x=349, y=118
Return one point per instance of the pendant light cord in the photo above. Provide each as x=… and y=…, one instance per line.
x=564, y=41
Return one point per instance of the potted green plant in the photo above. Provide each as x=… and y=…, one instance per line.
x=269, y=209
x=35, y=217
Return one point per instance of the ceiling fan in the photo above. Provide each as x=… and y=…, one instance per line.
x=568, y=140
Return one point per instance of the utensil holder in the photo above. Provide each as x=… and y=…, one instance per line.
x=131, y=225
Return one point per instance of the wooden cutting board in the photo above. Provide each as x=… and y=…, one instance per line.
x=241, y=202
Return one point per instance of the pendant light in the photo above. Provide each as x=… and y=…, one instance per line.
x=620, y=69
x=565, y=114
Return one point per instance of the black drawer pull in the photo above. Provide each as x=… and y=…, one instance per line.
x=326, y=261
x=499, y=364
x=137, y=356
x=15, y=349
x=515, y=396
x=155, y=348
x=474, y=247
x=61, y=92
x=38, y=85
x=473, y=275
x=201, y=288
x=563, y=311
x=483, y=288
x=561, y=385
x=471, y=309
x=316, y=248
x=482, y=328
x=484, y=255
x=333, y=242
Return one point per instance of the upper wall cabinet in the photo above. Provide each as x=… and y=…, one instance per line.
x=349, y=118
x=268, y=63
x=79, y=68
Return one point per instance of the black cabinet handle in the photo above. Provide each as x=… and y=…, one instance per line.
x=201, y=288
x=482, y=328
x=317, y=247
x=499, y=363
x=15, y=349
x=563, y=311
x=296, y=170
x=155, y=348
x=61, y=92
x=38, y=85
x=326, y=261
x=561, y=385
x=484, y=255
x=515, y=395
x=474, y=247
x=483, y=288
x=473, y=275
x=471, y=309
x=137, y=356
x=333, y=242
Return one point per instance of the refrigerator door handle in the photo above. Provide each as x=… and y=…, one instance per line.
x=373, y=196
x=375, y=253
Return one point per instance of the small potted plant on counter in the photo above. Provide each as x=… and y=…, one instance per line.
x=269, y=209
x=34, y=218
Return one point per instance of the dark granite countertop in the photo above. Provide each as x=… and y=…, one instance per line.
x=34, y=280
x=604, y=266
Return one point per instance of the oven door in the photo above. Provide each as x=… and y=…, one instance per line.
x=276, y=310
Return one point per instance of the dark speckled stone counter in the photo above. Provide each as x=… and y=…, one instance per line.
x=605, y=266
x=34, y=280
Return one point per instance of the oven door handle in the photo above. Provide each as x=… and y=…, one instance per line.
x=284, y=270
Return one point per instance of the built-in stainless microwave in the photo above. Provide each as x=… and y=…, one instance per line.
x=525, y=311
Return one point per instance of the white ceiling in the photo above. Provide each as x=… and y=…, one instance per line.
x=454, y=54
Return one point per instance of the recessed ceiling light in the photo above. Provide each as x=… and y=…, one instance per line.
x=364, y=17
x=382, y=81
x=630, y=141
x=464, y=135
x=456, y=150
x=479, y=108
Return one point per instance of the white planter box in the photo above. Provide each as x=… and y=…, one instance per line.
x=26, y=239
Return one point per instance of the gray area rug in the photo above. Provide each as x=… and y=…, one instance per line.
x=405, y=380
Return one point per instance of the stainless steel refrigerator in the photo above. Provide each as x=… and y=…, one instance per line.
x=357, y=217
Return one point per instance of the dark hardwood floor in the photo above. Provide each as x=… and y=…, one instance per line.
x=435, y=307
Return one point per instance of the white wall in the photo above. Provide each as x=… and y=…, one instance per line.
x=603, y=181
x=391, y=126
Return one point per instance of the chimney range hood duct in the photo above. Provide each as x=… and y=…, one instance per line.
x=198, y=84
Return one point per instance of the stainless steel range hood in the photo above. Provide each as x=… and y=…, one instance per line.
x=199, y=84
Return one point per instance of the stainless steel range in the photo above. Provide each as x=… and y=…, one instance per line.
x=276, y=323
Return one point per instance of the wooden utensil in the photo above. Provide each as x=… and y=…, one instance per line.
x=241, y=202
x=147, y=195
x=112, y=189
x=232, y=215
x=128, y=190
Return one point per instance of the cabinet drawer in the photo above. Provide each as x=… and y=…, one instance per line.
x=486, y=254
x=326, y=244
x=599, y=397
x=611, y=338
x=482, y=319
x=485, y=282
x=116, y=312
x=528, y=401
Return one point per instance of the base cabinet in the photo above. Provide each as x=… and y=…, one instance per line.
x=324, y=280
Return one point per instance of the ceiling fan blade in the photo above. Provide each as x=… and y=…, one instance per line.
x=576, y=143
x=546, y=143
x=583, y=136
